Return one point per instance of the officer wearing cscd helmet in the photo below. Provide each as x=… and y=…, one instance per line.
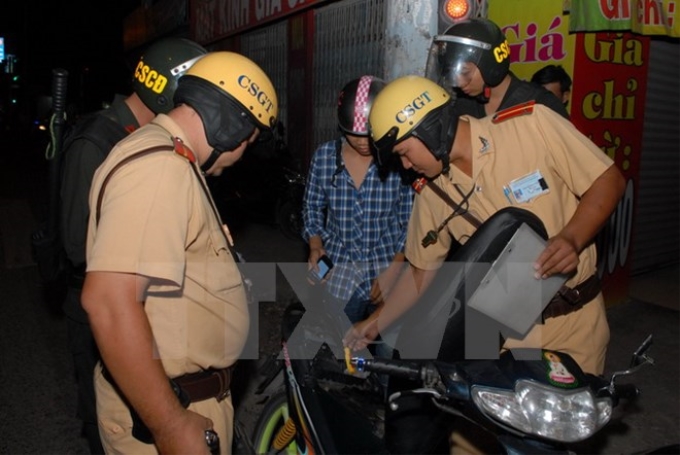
x=472, y=60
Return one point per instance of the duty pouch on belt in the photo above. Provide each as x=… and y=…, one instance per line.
x=194, y=387
x=139, y=430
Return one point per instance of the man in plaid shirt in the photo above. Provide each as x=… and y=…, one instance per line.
x=354, y=214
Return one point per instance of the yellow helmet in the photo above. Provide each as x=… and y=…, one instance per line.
x=412, y=106
x=232, y=95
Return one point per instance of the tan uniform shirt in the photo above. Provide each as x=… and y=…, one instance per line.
x=157, y=221
x=503, y=152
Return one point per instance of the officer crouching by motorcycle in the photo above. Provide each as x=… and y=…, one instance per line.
x=549, y=168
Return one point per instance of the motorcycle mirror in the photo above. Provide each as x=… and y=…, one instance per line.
x=640, y=359
x=639, y=356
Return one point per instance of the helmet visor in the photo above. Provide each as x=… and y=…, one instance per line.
x=453, y=60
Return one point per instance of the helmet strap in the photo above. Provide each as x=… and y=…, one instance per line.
x=210, y=161
x=485, y=96
x=225, y=121
x=437, y=133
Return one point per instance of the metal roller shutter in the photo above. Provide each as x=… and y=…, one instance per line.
x=349, y=38
x=657, y=224
x=268, y=47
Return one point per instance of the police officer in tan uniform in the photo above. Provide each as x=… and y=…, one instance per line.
x=163, y=292
x=496, y=162
x=85, y=148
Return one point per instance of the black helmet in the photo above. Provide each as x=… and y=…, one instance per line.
x=232, y=95
x=160, y=67
x=354, y=104
x=477, y=41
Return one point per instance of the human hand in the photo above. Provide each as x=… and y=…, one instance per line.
x=559, y=256
x=184, y=434
x=313, y=264
x=361, y=334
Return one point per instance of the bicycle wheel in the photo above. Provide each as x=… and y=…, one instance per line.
x=273, y=418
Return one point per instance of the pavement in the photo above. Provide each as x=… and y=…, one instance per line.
x=38, y=395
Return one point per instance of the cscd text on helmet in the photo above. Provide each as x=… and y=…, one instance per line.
x=160, y=67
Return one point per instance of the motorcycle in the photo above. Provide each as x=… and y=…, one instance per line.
x=325, y=409
x=530, y=400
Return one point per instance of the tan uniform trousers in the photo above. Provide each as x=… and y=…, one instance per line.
x=115, y=423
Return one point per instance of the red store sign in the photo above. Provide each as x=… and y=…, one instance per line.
x=212, y=20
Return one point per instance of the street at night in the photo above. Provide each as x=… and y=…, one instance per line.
x=296, y=57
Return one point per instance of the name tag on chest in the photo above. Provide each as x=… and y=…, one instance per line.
x=528, y=187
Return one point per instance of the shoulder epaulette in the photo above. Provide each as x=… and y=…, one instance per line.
x=419, y=184
x=514, y=111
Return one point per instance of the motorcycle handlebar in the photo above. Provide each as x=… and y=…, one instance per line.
x=626, y=391
x=397, y=368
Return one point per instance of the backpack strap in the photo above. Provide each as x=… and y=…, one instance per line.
x=339, y=166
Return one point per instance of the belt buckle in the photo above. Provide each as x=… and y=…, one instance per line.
x=572, y=296
x=224, y=377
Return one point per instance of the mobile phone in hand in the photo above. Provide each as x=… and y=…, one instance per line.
x=324, y=265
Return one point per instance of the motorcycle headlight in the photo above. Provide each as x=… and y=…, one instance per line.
x=541, y=410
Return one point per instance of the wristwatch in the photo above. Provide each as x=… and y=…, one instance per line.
x=213, y=441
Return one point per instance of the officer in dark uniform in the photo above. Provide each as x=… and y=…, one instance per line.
x=85, y=148
x=472, y=60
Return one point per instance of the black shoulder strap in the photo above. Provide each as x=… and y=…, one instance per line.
x=339, y=167
x=469, y=217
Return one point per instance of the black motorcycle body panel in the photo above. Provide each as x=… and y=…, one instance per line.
x=441, y=312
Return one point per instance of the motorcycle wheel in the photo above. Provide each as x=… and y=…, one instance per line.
x=289, y=218
x=272, y=419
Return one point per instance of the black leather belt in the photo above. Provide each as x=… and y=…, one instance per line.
x=567, y=300
x=206, y=384
x=211, y=383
